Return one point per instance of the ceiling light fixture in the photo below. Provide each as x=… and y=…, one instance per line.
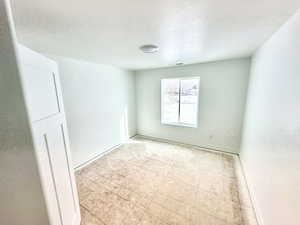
x=149, y=48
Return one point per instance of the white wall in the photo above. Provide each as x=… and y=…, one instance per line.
x=271, y=140
x=100, y=106
x=21, y=197
x=223, y=88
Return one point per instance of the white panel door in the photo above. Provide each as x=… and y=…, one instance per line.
x=42, y=92
x=45, y=107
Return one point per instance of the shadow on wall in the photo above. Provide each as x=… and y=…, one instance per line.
x=124, y=131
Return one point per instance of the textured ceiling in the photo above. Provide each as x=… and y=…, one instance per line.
x=110, y=32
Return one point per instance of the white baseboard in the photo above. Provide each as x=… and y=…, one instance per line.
x=211, y=149
x=251, y=195
x=98, y=156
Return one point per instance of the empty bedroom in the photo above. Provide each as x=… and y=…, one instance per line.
x=163, y=112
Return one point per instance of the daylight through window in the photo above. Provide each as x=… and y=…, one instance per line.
x=179, y=99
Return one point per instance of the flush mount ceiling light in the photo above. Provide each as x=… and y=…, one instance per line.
x=149, y=48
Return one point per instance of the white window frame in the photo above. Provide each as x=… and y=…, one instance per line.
x=162, y=105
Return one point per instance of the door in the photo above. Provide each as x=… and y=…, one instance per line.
x=45, y=107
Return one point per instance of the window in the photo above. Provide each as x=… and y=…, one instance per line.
x=179, y=101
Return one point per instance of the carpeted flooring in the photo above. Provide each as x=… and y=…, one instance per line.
x=145, y=182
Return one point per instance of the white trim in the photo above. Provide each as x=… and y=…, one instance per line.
x=162, y=105
x=202, y=148
x=98, y=156
x=246, y=202
x=256, y=210
x=180, y=124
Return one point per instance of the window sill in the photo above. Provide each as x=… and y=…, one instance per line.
x=180, y=125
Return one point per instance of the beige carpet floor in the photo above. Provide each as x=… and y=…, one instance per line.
x=145, y=182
